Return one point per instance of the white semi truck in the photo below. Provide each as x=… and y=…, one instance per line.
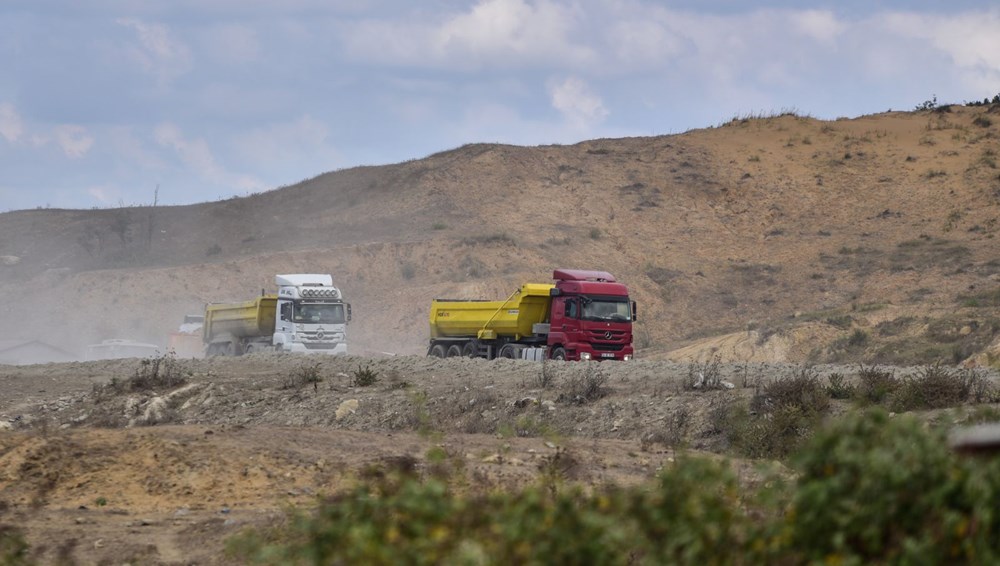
x=306, y=315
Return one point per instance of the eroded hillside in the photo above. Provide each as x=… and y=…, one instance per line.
x=780, y=238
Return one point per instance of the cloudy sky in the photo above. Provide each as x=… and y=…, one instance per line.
x=103, y=101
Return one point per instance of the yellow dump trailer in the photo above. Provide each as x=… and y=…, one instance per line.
x=228, y=324
x=486, y=320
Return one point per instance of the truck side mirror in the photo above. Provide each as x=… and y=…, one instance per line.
x=348, y=312
x=633, y=312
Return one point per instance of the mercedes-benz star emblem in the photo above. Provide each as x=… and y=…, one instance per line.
x=607, y=335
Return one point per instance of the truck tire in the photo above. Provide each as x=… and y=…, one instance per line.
x=454, y=351
x=507, y=351
x=469, y=350
x=559, y=354
x=437, y=351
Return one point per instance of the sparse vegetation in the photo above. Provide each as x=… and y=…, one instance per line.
x=407, y=270
x=162, y=372
x=305, y=375
x=13, y=548
x=583, y=387
x=364, y=376
x=706, y=376
x=867, y=489
x=488, y=240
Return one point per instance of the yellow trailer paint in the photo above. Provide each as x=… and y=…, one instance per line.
x=487, y=320
x=249, y=318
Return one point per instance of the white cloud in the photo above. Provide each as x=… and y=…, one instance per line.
x=74, y=140
x=198, y=157
x=644, y=42
x=492, y=33
x=821, y=25
x=157, y=52
x=972, y=40
x=578, y=105
x=11, y=127
x=496, y=29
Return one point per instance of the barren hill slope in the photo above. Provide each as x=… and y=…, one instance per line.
x=781, y=238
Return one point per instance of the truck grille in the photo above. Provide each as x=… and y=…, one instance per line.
x=608, y=335
x=607, y=347
x=320, y=345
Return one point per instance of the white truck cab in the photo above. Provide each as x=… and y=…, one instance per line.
x=311, y=315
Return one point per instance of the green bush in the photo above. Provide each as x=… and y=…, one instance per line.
x=779, y=417
x=839, y=388
x=693, y=516
x=875, y=489
x=364, y=376
x=868, y=488
x=13, y=548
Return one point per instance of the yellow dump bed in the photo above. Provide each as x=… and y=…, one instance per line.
x=490, y=319
x=250, y=318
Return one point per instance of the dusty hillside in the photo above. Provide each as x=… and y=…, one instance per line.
x=779, y=238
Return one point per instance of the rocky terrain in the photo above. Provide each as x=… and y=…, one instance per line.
x=123, y=462
x=765, y=250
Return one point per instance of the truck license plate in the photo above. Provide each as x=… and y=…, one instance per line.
x=607, y=355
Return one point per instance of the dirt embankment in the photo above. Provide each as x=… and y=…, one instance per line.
x=103, y=462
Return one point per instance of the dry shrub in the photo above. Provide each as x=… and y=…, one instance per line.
x=838, y=387
x=938, y=387
x=590, y=386
x=158, y=372
x=802, y=392
x=875, y=385
x=781, y=415
x=706, y=375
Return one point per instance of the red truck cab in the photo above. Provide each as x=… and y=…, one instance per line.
x=591, y=317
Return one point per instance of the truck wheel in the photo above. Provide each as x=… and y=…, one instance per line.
x=454, y=351
x=469, y=350
x=559, y=354
x=507, y=351
x=437, y=351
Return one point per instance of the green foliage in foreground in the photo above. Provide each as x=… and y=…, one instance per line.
x=867, y=489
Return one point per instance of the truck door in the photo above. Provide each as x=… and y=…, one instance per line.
x=565, y=327
x=283, y=324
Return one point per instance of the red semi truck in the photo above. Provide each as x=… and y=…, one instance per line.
x=585, y=315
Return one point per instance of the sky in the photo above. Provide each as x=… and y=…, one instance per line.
x=109, y=103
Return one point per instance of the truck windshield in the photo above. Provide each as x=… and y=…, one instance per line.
x=318, y=313
x=615, y=309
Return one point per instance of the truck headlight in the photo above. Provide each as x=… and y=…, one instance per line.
x=584, y=356
x=627, y=357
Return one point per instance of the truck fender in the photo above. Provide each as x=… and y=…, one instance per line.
x=279, y=342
